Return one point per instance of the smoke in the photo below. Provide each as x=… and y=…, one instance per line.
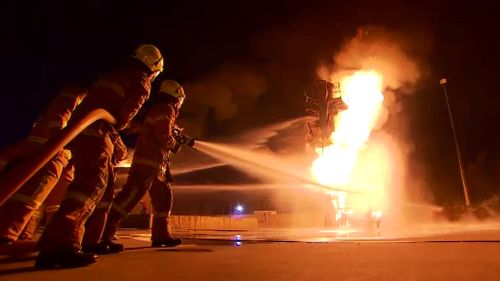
x=220, y=95
x=379, y=49
x=375, y=48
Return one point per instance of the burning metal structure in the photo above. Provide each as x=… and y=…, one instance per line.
x=345, y=114
x=323, y=102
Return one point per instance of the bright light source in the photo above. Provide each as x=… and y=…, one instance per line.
x=237, y=240
x=239, y=208
x=377, y=215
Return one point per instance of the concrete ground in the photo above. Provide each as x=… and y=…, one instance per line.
x=284, y=254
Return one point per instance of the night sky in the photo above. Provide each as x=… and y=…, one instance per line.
x=47, y=43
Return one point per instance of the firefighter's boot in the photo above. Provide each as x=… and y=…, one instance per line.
x=104, y=247
x=167, y=242
x=113, y=247
x=64, y=259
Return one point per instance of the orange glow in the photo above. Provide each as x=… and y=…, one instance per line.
x=127, y=162
x=339, y=164
x=124, y=163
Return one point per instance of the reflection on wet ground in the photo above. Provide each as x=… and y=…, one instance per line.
x=423, y=233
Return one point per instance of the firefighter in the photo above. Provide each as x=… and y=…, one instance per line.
x=121, y=92
x=150, y=169
x=53, y=200
x=22, y=205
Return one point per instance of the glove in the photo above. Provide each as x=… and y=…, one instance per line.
x=183, y=139
x=186, y=140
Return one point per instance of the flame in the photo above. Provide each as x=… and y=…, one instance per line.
x=335, y=165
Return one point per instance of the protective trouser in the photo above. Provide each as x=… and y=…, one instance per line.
x=161, y=199
x=17, y=211
x=51, y=203
x=142, y=179
x=92, y=151
x=32, y=225
x=97, y=221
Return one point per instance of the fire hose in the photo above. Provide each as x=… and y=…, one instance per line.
x=21, y=173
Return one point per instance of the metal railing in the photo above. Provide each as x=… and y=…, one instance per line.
x=21, y=173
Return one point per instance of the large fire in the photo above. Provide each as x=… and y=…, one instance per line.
x=336, y=163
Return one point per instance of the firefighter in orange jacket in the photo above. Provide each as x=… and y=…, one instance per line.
x=17, y=211
x=150, y=169
x=53, y=200
x=122, y=93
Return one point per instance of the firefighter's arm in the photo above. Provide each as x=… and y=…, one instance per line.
x=54, y=116
x=138, y=94
x=163, y=125
x=60, y=113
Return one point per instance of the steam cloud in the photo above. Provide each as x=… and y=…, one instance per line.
x=374, y=48
x=220, y=95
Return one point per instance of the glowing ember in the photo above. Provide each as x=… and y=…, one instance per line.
x=362, y=92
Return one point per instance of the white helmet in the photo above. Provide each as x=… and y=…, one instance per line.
x=150, y=56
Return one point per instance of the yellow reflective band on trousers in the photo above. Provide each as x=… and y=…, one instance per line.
x=52, y=209
x=37, y=197
x=25, y=199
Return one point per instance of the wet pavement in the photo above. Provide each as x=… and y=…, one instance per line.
x=425, y=233
x=448, y=252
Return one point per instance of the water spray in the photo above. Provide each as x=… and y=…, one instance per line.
x=243, y=158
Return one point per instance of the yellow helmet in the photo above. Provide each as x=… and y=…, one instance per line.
x=150, y=56
x=172, y=88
